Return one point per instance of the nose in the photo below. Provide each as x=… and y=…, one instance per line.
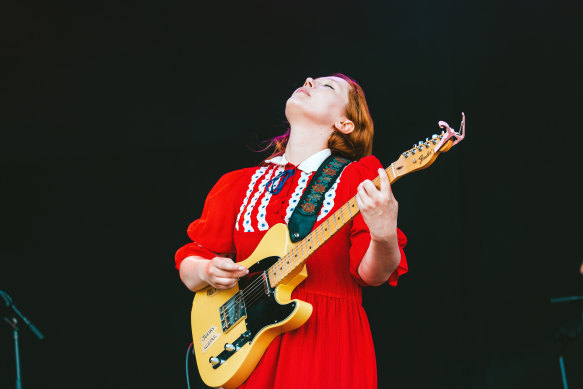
x=309, y=82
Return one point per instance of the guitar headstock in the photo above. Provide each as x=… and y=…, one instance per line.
x=425, y=153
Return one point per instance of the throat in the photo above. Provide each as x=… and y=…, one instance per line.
x=304, y=143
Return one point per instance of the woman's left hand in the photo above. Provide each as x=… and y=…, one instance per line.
x=379, y=209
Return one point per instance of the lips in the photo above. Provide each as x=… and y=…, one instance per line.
x=303, y=90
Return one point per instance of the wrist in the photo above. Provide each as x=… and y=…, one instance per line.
x=388, y=240
x=203, y=271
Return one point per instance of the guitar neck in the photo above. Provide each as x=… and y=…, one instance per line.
x=297, y=256
x=419, y=157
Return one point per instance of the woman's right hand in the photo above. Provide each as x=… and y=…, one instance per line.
x=223, y=273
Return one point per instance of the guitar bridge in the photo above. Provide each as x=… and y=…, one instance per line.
x=232, y=311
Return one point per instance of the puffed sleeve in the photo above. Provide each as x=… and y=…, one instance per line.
x=367, y=168
x=212, y=234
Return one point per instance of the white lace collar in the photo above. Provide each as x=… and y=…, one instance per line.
x=309, y=165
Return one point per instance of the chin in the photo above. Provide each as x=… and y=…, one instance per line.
x=293, y=107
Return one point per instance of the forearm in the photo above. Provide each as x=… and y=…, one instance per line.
x=193, y=272
x=380, y=260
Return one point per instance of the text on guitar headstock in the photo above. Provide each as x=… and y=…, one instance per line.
x=425, y=152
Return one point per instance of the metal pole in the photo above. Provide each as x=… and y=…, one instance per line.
x=17, y=355
x=563, y=374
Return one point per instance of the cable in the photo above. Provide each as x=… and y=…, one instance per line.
x=187, y=355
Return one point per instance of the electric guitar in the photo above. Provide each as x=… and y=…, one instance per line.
x=232, y=328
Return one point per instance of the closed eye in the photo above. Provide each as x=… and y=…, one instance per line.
x=329, y=86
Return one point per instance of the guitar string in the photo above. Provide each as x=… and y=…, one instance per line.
x=255, y=284
x=251, y=293
x=238, y=299
x=252, y=297
x=305, y=245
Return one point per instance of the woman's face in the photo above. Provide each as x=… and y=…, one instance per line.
x=321, y=101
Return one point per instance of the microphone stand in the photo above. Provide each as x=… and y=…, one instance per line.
x=13, y=319
x=565, y=336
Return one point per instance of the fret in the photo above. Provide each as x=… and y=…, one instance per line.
x=286, y=266
x=301, y=245
x=335, y=221
x=280, y=271
x=324, y=229
x=316, y=237
x=352, y=204
x=350, y=213
x=323, y=235
x=329, y=228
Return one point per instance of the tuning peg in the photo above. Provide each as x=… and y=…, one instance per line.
x=433, y=136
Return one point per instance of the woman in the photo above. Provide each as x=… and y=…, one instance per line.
x=334, y=347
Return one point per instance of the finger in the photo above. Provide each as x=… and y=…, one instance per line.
x=220, y=273
x=385, y=183
x=365, y=200
x=226, y=264
x=369, y=187
x=225, y=283
x=241, y=273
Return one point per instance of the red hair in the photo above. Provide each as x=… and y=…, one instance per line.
x=353, y=146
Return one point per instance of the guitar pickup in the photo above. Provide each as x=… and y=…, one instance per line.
x=232, y=311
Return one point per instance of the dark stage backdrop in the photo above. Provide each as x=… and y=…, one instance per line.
x=117, y=120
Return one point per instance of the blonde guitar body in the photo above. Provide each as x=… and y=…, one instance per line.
x=264, y=314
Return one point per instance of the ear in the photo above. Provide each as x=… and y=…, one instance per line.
x=344, y=125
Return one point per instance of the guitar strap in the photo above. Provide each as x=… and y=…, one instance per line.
x=306, y=212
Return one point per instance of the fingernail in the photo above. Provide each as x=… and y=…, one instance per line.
x=242, y=268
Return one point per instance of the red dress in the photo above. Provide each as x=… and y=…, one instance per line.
x=334, y=348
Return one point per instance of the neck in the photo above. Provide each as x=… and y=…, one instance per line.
x=304, y=141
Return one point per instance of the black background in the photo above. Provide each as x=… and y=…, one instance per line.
x=118, y=118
